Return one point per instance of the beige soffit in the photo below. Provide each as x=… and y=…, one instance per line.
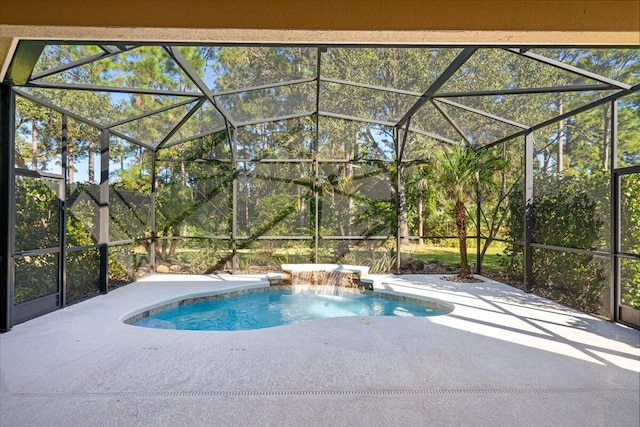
x=397, y=22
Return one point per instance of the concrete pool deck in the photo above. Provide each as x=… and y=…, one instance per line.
x=501, y=358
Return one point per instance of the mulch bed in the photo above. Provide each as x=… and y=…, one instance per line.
x=471, y=279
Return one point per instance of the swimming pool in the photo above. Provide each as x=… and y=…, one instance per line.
x=266, y=309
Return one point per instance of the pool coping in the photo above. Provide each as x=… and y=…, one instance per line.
x=190, y=297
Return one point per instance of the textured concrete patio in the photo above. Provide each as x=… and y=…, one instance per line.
x=501, y=358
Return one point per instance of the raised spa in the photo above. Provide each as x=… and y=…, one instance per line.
x=269, y=307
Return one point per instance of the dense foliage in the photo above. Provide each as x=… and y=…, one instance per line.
x=630, y=239
x=564, y=214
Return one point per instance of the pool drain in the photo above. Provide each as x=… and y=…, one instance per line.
x=258, y=393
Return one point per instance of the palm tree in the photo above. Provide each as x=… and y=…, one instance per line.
x=458, y=172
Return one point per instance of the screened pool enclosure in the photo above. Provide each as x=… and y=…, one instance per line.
x=119, y=160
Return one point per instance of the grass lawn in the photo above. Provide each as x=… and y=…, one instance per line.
x=451, y=255
x=428, y=253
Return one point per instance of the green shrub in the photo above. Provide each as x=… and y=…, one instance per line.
x=565, y=214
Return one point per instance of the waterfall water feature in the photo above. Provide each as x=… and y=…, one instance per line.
x=326, y=283
x=302, y=277
x=333, y=283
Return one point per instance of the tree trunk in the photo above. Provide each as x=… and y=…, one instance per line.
x=183, y=169
x=92, y=164
x=265, y=141
x=403, y=223
x=34, y=147
x=302, y=200
x=70, y=166
x=342, y=209
x=568, y=141
x=175, y=229
x=560, y=132
x=163, y=254
x=174, y=242
x=545, y=161
x=247, y=198
x=183, y=181
x=348, y=173
x=461, y=225
x=420, y=220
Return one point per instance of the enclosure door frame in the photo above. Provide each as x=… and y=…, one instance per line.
x=33, y=308
x=27, y=310
x=622, y=312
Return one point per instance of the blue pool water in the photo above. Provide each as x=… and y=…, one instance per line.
x=275, y=308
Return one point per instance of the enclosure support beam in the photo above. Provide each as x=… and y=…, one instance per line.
x=196, y=136
x=84, y=61
x=111, y=89
x=570, y=68
x=152, y=214
x=440, y=81
x=478, y=228
x=24, y=60
x=197, y=81
x=482, y=113
x=614, y=197
x=234, y=201
x=62, y=227
x=452, y=122
x=528, y=211
x=567, y=114
x=7, y=205
x=401, y=202
x=396, y=143
x=524, y=91
x=104, y=211
x=77, y=117
x=316, y=165
x=152, y=112
x=179, y=125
